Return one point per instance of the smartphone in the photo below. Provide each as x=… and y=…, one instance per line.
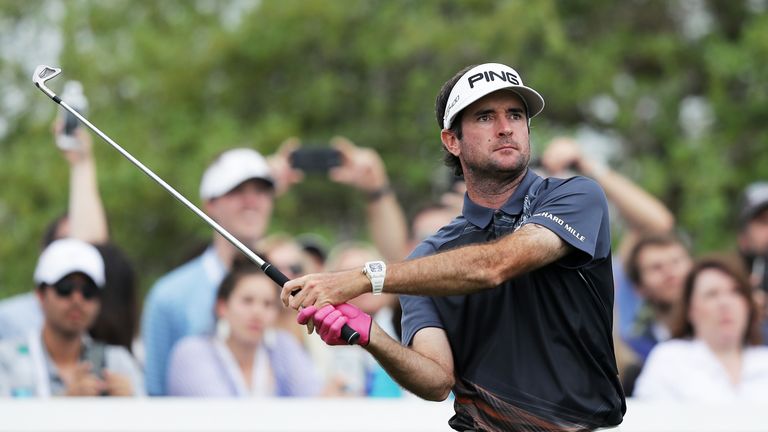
x=70, y=123
x=315, y=159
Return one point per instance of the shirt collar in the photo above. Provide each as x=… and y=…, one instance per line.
x=214, y=268
x=482, y=216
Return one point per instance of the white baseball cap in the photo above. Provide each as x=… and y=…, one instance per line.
x=67, y=256
x=754, y=201
x=485, y=79
x=232, y=168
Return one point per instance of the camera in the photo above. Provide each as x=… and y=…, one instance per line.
x=315, y=159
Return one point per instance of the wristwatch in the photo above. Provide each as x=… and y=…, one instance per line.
x=376, y=271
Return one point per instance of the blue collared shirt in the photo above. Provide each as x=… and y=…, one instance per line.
x=180, y=304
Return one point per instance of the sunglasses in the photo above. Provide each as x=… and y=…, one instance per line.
x=296, y=269
x=65, y=288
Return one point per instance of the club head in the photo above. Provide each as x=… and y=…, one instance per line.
x=42, y=74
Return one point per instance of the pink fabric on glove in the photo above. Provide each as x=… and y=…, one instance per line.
x=330, y=319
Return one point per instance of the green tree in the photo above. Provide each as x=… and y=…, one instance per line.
x=175, y=82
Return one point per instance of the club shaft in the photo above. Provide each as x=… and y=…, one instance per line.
x=347, y=333
x=232, y=239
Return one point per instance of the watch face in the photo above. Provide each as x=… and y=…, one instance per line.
x=376, y=267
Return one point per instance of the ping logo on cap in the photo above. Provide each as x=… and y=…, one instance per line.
x=491, y=76
x=485, y=79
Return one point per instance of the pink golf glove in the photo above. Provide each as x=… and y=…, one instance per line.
x=330, y=319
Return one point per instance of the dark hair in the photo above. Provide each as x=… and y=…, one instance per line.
x=241, y=267
x=117, y=321
x=734, y=268
x=441, y=102
x=52, y=229
x=632, y=267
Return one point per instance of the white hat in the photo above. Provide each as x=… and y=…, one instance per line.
x=232, y=168
x=754, y=201
x=484, y=79
x=66, y=256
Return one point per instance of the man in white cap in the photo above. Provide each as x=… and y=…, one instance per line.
x=62, y=360
x=237, y=190
x=510, y=305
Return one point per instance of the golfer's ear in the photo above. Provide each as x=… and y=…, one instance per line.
x=450, y=141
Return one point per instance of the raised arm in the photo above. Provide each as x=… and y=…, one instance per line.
x=87, y=218
x=364, y=169
x=642, y=212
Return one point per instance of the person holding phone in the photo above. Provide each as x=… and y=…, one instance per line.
x=363, y=169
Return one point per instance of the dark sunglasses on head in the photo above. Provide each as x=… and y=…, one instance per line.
x=65, y=287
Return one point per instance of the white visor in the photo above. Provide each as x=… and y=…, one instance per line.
x=485, y=79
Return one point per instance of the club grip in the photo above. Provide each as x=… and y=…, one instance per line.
x=347, y=333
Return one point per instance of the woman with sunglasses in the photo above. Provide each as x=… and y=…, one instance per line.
x=715, y=355
x=248, y=356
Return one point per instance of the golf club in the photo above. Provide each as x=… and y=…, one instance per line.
x=44, y=73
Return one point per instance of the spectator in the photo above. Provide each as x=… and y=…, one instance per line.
x=238, y=191
x=288, y=256
x=314, y=247
x=61, y=360
x=715, y=356
x=657, y=266
x=253, y=358
x=429, y=220
x=117, y=322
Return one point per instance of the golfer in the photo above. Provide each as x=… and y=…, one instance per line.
x=510, y=305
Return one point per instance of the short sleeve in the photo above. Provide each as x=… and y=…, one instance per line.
x=418, y=312
x=120, y=361
x=575, y=210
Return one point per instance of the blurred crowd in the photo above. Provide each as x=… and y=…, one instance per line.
x=686, y=328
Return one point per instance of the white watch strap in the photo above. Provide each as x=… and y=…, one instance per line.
x=376, y=271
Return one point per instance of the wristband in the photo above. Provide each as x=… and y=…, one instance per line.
x=377, y=194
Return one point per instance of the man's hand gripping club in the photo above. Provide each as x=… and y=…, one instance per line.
x=329, y=320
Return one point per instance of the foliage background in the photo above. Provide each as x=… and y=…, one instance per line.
x=673, y=94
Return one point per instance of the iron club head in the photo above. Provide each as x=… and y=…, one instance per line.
x=42, y=74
